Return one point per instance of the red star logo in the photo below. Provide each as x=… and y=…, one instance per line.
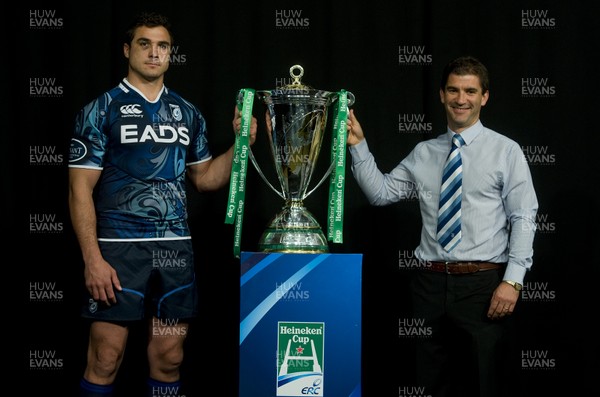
x=299, y=350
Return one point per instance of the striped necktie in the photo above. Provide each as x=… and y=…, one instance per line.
x=448, y=230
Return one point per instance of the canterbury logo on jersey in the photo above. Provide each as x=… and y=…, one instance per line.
x=165, y=134
x=131, y=110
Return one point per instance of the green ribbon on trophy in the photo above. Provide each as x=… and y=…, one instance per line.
x=335, y=215
x=239, y=169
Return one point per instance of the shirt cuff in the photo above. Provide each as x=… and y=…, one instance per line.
x=514, y=273
x=359, y=152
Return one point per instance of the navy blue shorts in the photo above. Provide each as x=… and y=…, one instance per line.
x=158, y=279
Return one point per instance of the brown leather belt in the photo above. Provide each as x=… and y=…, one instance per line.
x=461, y=267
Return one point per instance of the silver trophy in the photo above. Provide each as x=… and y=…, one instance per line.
x=296, y=119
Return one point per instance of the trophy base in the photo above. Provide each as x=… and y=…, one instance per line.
x=293, y=230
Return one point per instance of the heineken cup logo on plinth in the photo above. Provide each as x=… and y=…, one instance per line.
x=300, y=365
x=296, y=123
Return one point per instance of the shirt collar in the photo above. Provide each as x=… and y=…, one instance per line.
x=469, y=134
x=130, y=86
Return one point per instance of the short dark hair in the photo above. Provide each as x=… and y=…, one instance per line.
x=148, y=19
x=466, y=65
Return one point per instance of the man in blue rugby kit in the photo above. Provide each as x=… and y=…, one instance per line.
x=133, y=148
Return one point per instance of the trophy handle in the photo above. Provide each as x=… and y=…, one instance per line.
x=253, y=159
x=351, y=100
x=322, y=179
x=239, y=101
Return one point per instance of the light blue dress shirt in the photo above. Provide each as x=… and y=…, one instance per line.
x=499, y=203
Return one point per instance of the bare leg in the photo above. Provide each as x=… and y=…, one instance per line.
x=105, y=352
x=165, y=349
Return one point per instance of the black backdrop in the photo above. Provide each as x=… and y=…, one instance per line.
x=63, y=54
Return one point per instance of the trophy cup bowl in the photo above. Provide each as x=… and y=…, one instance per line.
x=296, y=119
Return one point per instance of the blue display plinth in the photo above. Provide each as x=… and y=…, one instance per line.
x=300, y=325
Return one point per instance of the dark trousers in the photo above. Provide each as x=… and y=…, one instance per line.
x=466, y=352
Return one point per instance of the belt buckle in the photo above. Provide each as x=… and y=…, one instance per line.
x=446, y=268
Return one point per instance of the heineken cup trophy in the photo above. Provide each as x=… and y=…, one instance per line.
x=296, y=122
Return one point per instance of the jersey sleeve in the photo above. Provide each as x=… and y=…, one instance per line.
x=198, y=151
x=88, y=143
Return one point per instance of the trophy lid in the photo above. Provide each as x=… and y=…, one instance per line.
x=296, y=73
x=296, y=92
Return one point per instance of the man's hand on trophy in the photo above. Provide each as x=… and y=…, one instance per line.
x=355, y=132
x=237, y=125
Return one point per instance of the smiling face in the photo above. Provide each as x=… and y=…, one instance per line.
x=148, y=53
x=462, y=98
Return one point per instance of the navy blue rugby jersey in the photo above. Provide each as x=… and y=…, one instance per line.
x=143, y=149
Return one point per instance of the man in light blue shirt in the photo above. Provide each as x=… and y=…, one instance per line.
x=468, y=290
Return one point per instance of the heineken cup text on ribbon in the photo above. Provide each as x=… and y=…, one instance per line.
x=239, y=167
x=296, y=125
